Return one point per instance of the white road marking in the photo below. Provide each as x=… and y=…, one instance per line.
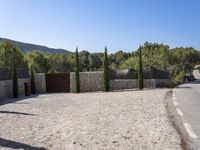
x=179, y=111
x=190, y=130
x=173, y=97
x=175, y=103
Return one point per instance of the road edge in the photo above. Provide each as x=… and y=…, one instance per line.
x=177, y=123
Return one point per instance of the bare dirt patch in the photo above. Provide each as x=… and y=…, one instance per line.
x=115, y=120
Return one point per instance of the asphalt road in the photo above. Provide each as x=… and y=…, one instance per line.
x=187, y=100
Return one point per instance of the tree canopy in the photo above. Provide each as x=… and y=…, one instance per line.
x=38, y=61
x=156, y=55
x=8, y=53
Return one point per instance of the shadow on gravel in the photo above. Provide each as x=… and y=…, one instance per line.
x=7, y=101
x=136, y=89
x=25, y=103
x=184, y=87
x=18, y=145
x=17, y=113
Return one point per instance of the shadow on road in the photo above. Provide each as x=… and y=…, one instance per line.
x=18, y=145
x=18, y=113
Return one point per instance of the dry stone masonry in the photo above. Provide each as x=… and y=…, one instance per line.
x=40, y=83
x=93, y=81
x=89, y=81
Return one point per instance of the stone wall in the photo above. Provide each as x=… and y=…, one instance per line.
x=40, y=83
x=6, y=88
x=130, y=84
x=123, y=84
x=21, y=86
x=165, y=83
x=93, y=81
x=133, y=83
x=89, y=81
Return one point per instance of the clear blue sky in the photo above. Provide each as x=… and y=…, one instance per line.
x=92, y=24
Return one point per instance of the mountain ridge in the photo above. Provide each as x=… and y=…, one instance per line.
x=28, y=47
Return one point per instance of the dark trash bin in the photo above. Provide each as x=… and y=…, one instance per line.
x=27, y=88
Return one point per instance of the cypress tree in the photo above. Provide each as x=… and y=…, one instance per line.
x=106, y=71
x=15, y=81
x=32, y=81
x=140, y=70
x=77, y=73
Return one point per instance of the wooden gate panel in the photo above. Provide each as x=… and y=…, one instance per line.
x=58, y=82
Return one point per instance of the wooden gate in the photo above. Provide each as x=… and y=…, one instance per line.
x=58, y=82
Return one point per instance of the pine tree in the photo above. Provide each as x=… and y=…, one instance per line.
x=15, y=81
x=32, y=81
x=140, y=70
x=77, y=73
x=106, y=71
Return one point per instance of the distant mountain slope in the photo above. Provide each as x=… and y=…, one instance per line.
x=25, y=47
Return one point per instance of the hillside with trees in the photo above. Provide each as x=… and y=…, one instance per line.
x=26, y=47
x=177, y=61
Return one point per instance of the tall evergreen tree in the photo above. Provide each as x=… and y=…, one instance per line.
x=32, y=81
x=15, y=80
x=77, y=72
x=106, y=71
x=140, y=70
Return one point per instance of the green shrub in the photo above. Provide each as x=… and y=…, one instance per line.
x=180, y=77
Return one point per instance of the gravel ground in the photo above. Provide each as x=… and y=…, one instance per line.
x=128, y=120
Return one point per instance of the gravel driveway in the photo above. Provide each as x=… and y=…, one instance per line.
x=129, y=120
